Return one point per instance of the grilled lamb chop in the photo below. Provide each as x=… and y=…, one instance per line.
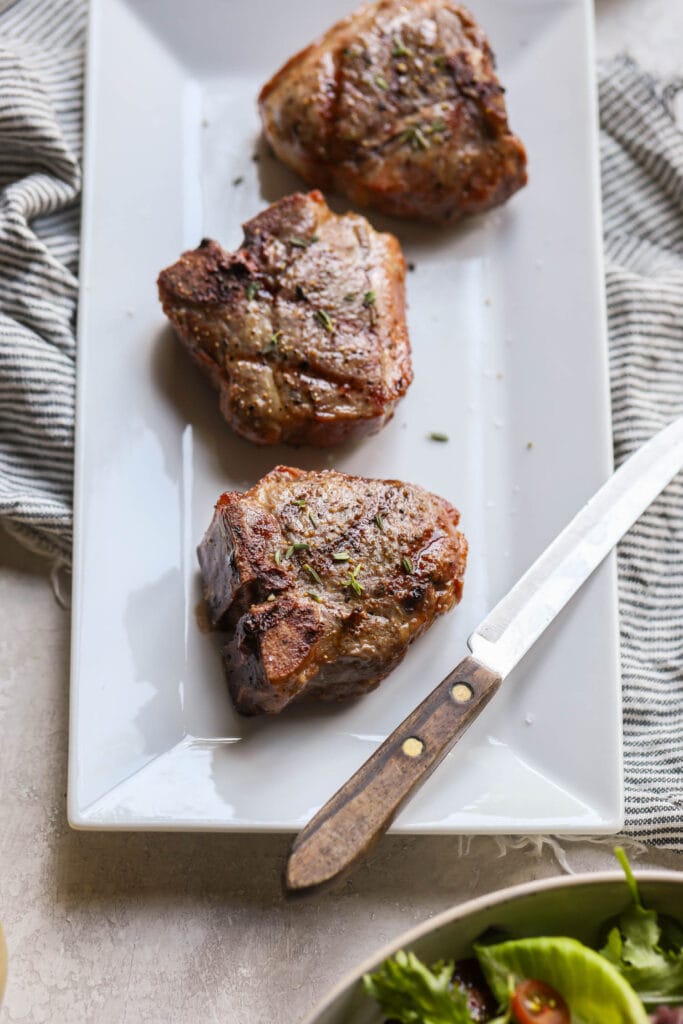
x=302, y=330
x=398, y=107
x=322, y=580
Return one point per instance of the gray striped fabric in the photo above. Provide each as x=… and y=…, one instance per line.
x=41, y=72
x=41, y=57
x=642, y=181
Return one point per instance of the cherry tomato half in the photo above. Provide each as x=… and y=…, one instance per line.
x=534, y=1002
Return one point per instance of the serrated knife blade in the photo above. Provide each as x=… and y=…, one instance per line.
x=345, y=828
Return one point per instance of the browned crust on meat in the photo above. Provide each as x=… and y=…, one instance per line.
x=297, y=627
x=422, y=133
x=282, y=327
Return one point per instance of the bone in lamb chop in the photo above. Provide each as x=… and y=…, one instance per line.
x=322, y=580
x=398, y=107
x=302, y=330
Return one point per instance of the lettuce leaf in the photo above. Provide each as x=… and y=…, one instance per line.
x=595, y=992
x=646, y=949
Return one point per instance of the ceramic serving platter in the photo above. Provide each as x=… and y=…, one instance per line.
x=507, y=324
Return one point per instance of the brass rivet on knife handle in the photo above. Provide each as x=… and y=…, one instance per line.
x=461, y=692
x=361, y=811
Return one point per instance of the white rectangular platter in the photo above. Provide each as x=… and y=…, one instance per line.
x=507, y=324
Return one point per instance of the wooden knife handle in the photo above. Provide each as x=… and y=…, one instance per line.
x=362, y=810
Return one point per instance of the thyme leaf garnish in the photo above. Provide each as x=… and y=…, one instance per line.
x=251, y=290
x=297, y=546
x=341, y=556
x=302, y=243
x=437, y=436
x=369, y=299
x=278, y=557
x=380, y=522
x=408, y=565
x=324, y=319
x=311, y=572
x=301, y=502
x=381, y=81
x=400, y=50
x=314, y=521
x=353, y=581
x=415, y=137
x=315, y=597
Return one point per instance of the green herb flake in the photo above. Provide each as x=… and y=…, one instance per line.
x=415, y=137
x=369, y=299
x=238, y=180
x=315, y=597
x=300, y=546
x=312, y=573
x=379, y=522
x=251, y=290
x=353, y=581
x=275, y=339
x=341, y=556
x=437, y=436
x=441, y=61
x=301, y=502
x=437, y=126
x=324, y=319
x=381, y=82
x=301, y=243
x=350, y=296
x=400, y=50
x=313, y=520
x=290, y=551
x=278, y=557
x=408, y=565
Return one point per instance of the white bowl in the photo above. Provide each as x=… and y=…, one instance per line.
x=578, y=906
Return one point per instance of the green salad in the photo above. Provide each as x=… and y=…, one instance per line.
x=636, y=977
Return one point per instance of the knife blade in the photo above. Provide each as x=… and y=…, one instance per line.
x=344, y=829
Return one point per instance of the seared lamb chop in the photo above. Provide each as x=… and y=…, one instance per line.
x=399, y=108
x=322, y=580
x=302, y=330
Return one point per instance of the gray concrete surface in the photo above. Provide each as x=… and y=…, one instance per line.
x=177, y=929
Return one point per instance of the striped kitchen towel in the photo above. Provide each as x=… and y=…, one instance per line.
x=642, y=185
x=41, y=65
x=41, y=87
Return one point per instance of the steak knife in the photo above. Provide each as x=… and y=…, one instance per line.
x=361, y=811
